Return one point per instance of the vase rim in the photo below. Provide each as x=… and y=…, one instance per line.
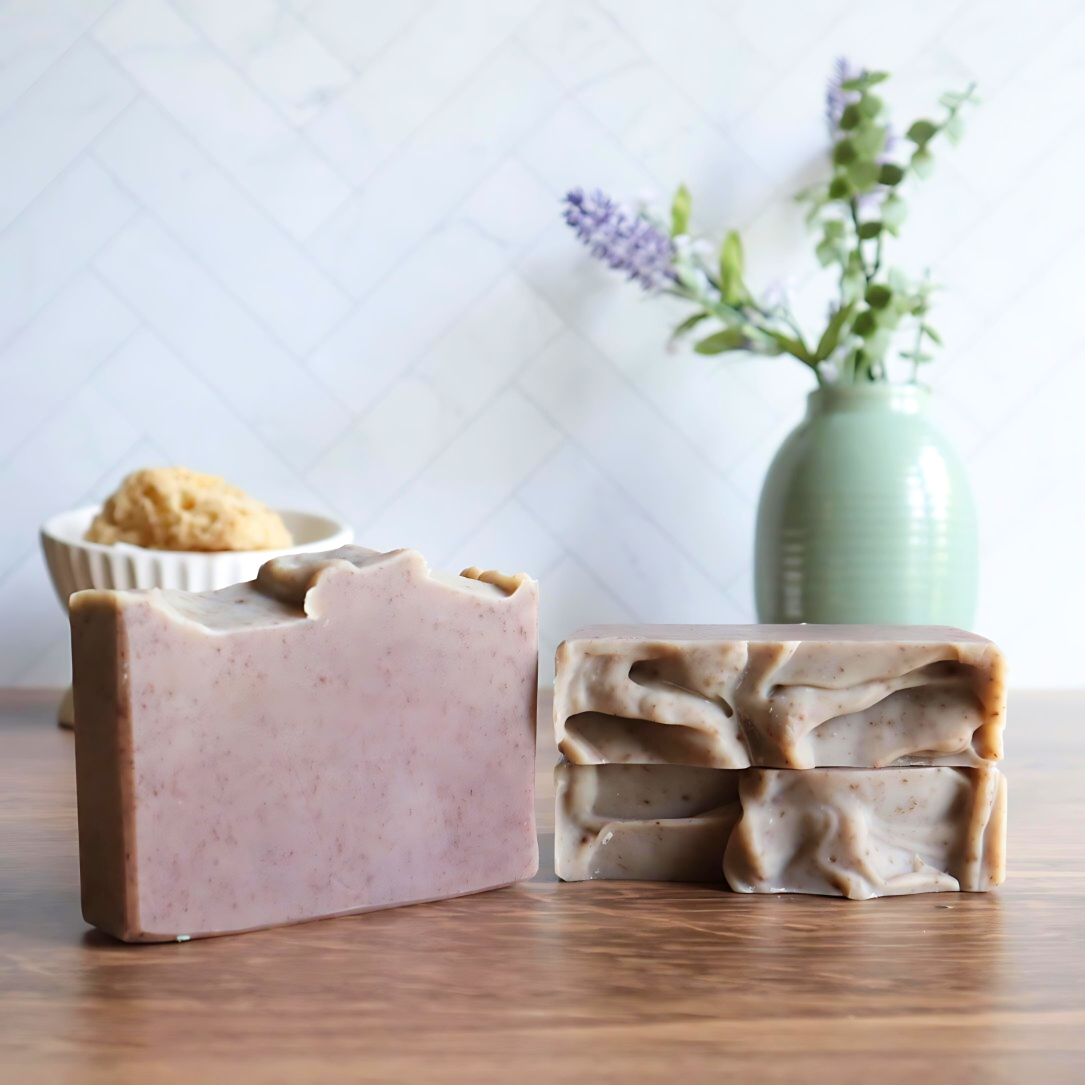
x=908, y=397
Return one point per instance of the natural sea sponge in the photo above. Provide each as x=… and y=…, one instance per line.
x=171, y=508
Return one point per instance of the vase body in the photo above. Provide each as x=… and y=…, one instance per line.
x=866, y=515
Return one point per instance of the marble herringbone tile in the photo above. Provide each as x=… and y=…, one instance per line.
x=315, y=245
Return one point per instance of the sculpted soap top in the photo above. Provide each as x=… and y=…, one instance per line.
x=781, y=696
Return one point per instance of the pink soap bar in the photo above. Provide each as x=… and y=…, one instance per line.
x=349, y=731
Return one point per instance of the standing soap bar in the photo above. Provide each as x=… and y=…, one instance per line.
x=349, y=731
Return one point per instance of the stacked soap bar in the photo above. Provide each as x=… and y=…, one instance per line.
x=856, y=761
x=351, y=730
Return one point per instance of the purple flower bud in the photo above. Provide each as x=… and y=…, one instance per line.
x=627, y=242
x=836, y=97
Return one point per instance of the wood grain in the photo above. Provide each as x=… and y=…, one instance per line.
x=552, y=982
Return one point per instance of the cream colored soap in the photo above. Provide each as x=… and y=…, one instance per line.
x=863, y=833
x=857, y=833
x=786, y=696
x=643, y=822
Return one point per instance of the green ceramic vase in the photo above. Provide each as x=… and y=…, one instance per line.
x=866, y=516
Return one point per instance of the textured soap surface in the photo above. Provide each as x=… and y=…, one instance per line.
x=350, y=731
x=863, y=833
x=857, y=833
x=643, y=822
x=785, y=696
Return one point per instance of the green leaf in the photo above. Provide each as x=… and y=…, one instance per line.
x=866, y=324
x=868, y=230
x=718, y=342
x=894, y=212
x=890, y=174
x=834, y=230
x=839, y=189
x=869, y=140
x=689, y=323
x=827, y=253
x=795, y=347
x=878, y=343
x=921, y=132
x=870, y=105
x=680, y=209
x=863, y=174
x=931, y=334
x=851, y=286
x=954, y=129
x=867, y=79
x=878, y=295
x=888, y=318
x=923, y=163
x=830, y=338
x=732, y=263
x=850, y=118
x=844, y=152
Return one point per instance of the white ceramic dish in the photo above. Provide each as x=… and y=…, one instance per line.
x=75, y=564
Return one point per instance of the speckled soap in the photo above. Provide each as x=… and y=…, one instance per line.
x=350, y=731
x=780, y=696
x=855, y=833
x=854, y=761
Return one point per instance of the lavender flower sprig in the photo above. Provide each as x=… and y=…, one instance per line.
x=836, y=98
x=856, y=210
x=627, y=242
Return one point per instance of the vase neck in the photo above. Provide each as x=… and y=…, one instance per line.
x=881, y=396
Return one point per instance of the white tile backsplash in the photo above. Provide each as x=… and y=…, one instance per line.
x=220, y=339
x=221, y=225
x=56, y=354
x=35, y=34
x=57, y=117
x=315, y=246
x=55, y=238
x=276, y=51
x=218, y=105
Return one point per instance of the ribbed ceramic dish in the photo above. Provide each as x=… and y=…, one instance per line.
x=75, y=564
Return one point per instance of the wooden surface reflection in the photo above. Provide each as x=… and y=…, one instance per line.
x=551, y=982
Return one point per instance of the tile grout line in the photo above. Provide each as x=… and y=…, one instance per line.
x=21, y=329
x=227, y=290
x=58, y=409
x=82, y=36
x=571, y=553
x=468, y=420
x=245, y=78
x=398, y=149
x=449, y=219
x=143, y=95
x=256, y=435
x=593, y=460
x=361, y=71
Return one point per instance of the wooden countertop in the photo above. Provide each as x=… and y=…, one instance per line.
x=591, y=982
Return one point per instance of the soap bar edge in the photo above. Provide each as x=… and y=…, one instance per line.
x=104, y=766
